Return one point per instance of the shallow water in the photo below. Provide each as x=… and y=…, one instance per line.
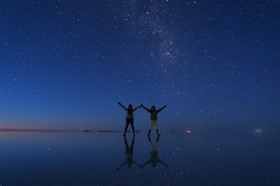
x=196, y=158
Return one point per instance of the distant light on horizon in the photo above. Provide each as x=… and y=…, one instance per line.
x=188, y=131
x=258, y=131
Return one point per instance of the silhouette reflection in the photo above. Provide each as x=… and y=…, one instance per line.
x=154, y=154
x=129, y=154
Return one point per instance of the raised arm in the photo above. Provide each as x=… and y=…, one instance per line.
x=146, y=108
x=161, y=162
x=136, y=108
x=137, y=164
x=147, y=162
x=161, y=108
x=122, y=106
x=121, y=165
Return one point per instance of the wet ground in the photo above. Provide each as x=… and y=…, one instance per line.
x=107, y=158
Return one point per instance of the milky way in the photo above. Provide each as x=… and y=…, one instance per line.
x=67, y=64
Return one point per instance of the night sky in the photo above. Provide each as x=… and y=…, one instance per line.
x=65, y=64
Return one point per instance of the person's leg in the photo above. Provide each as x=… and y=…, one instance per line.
x=126, y=145
x=157, y=129
x=132, y=144
x=126, y=126
x=132, y=126
x=151, y=126
x=151, y=145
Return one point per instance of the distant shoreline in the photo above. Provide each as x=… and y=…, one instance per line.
x=61, y=130
x=55, y=130
x=253, y=130
x=79, y=130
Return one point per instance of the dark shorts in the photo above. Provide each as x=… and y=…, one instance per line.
x=129, y=121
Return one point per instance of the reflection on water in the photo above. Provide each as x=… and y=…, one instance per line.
x=154, y=159
x=225, y=158
x=129, y=154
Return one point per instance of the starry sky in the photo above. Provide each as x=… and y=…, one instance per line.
x=66, y=63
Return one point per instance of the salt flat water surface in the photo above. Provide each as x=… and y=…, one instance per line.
x=107, y=158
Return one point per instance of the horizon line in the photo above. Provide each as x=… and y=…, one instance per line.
x=137, y=131
x=80, y=130
x=52, y=130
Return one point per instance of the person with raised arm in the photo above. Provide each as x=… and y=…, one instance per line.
x=129, y=117
x=129, y=154
x=154, y=117
x=154, y=158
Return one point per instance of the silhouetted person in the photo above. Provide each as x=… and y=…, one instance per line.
x=154, y=154
x=129, y=154
x=154, y=117
x=129, y=117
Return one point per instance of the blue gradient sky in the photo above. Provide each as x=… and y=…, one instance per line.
x=66, y=64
